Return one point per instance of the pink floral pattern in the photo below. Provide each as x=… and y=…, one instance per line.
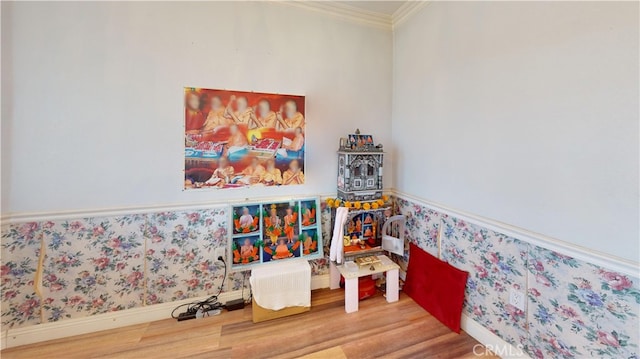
x=496, y=263
x=20, y=252
x=97, y=265
x=180, y=255
x=93, y=266
x=580, y=310
x=422, y=226
x=574, y=309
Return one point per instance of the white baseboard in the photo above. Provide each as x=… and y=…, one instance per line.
x=95, y=323
x=66, y=328
x=491, y=341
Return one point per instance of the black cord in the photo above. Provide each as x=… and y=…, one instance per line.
x=206, y=305
x=244, y=276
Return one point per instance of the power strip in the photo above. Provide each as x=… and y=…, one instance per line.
x=234, y=304
x=199, y=314
x=186, y=316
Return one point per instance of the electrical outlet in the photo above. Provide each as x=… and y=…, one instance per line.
x=220, y=252
x=516, y=298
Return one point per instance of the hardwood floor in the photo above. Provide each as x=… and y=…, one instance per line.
x=378, y=329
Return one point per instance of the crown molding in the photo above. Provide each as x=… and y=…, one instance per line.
x=344, y=12
x=406, y=11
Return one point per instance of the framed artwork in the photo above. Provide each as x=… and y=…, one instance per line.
x=240, y=139
x=247, y=249
x=364, y=227
x=281, y=228
x=278, y=230
x=356, y=141
x=246, y=219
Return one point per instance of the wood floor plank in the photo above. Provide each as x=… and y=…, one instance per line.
x=220, y=353
x=195, y=341
x=333, y=353
x=379, y=329
x=82, y=346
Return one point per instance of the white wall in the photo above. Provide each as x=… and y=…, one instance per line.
x=525, y=113
x=92, y=108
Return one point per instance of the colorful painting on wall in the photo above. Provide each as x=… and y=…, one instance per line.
x=273, y=231
x=241, y=139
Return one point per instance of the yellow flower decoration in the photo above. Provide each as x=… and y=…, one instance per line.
x=385, y=197
x=330, y=202
x=336, y=203
x=366, y=206
x=347, y=204
x=357, y=204
x=380, y=203
x=374, y=205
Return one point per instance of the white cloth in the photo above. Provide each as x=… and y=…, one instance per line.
x=337, y=242
x=283, y=284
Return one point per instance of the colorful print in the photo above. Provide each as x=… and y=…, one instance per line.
x=243, y=139
x=246, y=249
x=275, y=231
x=246, y=219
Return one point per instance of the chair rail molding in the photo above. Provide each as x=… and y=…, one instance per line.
x=578, y=252
x=10, y=218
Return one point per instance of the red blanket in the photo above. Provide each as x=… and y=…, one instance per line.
x=436, y=286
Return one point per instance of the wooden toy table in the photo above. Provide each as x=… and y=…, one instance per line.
x=351, y=275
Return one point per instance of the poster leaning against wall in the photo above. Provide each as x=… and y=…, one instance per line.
x=241, y=139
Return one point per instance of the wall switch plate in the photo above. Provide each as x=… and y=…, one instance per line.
x=516, y=298
x=220, y=252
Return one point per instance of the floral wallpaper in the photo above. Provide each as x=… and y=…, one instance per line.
x=574, y=309
x=496, y=263
x=92, y=266
x=421, y=228
x=102, y=264
x=180, y=255
x=20, y=252
x=580, y=310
